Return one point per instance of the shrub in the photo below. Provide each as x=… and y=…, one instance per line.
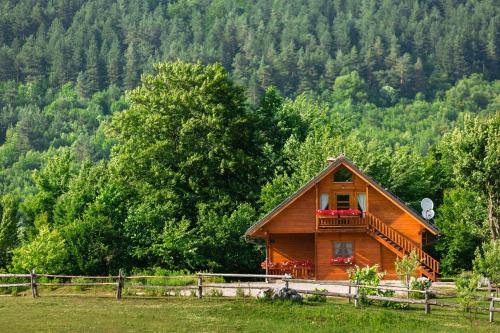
x=487, y=261
x=317, y=298
x=466, y=284
x=421, y=283
x=240, y=292
x=215, y=293
x=368, y=276
x=46, y=254
x=407, y=267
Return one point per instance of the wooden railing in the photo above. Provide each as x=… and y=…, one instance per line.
x=335, y=221
x=376, y=225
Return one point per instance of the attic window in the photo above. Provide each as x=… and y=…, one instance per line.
x=342, y=176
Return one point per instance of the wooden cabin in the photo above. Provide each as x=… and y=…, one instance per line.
x=341, y=218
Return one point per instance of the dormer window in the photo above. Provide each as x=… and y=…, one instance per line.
x=342, y=176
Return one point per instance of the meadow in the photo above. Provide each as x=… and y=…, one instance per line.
x=214, y=314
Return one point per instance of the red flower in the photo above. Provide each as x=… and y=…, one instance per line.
x=342, y=260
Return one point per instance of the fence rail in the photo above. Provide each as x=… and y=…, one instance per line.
x=353, y=294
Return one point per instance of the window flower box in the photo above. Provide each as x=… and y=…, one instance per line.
x=291, y=264
x=339, y=212
x=342, y=260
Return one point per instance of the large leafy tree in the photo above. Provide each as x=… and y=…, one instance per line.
x=475, y=155
x=187, y=139
x=188, y=132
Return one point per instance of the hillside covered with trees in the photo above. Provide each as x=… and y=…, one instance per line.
x=101, y=170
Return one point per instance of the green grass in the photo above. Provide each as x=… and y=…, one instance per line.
x=186, y=314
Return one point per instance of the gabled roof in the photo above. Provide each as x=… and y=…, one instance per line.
x=334, y=163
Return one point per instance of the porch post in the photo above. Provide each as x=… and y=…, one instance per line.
x=267, y=257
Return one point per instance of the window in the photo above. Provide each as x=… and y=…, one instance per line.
x=343, y=201
x=342, y=176
x=342, y=249
x=324, y=201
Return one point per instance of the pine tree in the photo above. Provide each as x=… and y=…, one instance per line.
x=114, y=64
x=132, y=67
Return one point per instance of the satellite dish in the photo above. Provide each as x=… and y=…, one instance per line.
x=426, y=204
x=428, y=214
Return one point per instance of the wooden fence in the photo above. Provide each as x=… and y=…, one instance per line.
x=121, y=281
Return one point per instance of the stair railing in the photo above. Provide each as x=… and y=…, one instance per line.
x=407, y=246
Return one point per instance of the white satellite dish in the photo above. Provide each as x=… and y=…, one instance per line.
x=426, y=204
x=428, y=214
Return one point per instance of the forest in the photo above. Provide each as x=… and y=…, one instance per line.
x=144, y=134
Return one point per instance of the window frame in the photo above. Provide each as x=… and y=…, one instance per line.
x=337, y=193
x=340, y=242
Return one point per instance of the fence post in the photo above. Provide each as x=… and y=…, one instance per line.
x=119, y=285
x=427, y=306
x=34, y=289
x=350, y=289
x=286, y=280
x=356, y=297
x=492, y=308
x=200, y=286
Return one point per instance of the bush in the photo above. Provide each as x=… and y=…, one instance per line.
x=368, y=276
x=390, y=304
x=421, y=283
x=46, y=254
x=240, y=292
x=466, y=284
x=406, y=267
x=317, y=298
x=215, y=293
x=487, y=261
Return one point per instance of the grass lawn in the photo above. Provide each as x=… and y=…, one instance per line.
x=186, y=314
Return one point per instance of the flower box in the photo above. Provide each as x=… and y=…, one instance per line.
x=291, y=264
x=342, y=260
x=339, y=212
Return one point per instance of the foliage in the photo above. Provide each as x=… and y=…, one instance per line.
x=462, y=220
x=466, y=283
x=365, y=276
x=45, y=254
x=475, y=155
x=317, y=298
x=406, y=267
x=421, y=283
x=98, y=43
x=487, y=261
x=8, y=228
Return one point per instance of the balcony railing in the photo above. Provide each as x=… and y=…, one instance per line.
x=351, y=218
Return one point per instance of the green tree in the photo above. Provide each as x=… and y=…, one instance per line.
x=46, y=254
x=475, y=152
x=8, y=228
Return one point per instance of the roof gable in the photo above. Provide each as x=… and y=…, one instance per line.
x=333, y=164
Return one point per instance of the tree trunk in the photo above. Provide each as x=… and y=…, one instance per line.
x=492, y=215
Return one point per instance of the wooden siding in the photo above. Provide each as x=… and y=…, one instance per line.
x=394, y=216
x=366, y=252
x=327, y=185
x=293, y=234
x=299, y=217
x=387, y=262
x=284, y=247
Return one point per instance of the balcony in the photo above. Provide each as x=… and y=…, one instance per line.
x=341, y=219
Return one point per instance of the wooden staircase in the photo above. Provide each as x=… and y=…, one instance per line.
x=401, y=245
